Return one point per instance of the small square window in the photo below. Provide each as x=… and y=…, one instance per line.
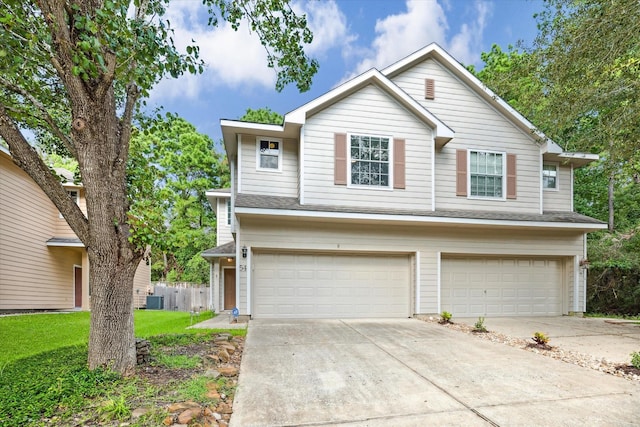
x=550, y=176
x=75, y=196
x=269, y=154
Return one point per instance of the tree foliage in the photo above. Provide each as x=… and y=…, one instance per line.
x=580, y=85
x=172, y=167
x=262, y=115
x=73, y=73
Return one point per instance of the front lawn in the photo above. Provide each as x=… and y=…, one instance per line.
x=30, y=334
x=44, y=379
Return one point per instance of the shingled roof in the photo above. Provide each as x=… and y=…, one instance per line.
x=256, y=201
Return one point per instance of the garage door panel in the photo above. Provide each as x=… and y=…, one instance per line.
x=501, y=286
x=326, y=285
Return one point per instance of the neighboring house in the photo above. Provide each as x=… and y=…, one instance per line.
x=411, y=190
x=43, y=265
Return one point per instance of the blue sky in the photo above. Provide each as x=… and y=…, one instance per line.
x=350, y=37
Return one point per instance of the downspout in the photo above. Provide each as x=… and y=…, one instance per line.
x=301, y=167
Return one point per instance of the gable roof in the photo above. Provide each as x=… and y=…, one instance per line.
x=434, y=51
x=443, y=133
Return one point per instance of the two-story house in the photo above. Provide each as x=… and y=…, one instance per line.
x=43, y=264
x=411, y=190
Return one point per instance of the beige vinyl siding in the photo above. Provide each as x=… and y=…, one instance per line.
x=428, y=240
x=62, y=229
x=560, y=199
x=270, y=183
x=32, y=275
x=223, y=229
x=477, y=126
x=369, y=111
x=141, y=283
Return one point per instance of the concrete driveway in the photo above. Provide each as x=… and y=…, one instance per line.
x=413, y=373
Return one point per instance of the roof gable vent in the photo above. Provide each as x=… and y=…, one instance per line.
x=429, y=89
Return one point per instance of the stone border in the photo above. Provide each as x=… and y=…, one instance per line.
x=573, y=357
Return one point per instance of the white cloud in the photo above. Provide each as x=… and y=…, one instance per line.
x=467, y=44
x=399, y=35
x=232, y=58
x=236, y=58
x=424, y=22
x=328, y=25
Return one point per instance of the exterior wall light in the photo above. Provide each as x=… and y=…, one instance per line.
x=244, y=252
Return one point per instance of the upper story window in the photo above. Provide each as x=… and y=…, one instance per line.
x=370, y=160
x=75, y=196
x=486, y=177
x=550, y=176
x=228, y=211
x=269, y=154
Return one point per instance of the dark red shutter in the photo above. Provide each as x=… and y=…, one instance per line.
x=398, y=163
x=512, y=191
x=461, y=172
x=340, y=159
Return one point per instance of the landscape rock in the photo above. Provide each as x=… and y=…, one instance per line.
x=224, y=355
x=228, y=371
x=212, y=373
x=188, y=415
x=168, y=420
x=138, y=412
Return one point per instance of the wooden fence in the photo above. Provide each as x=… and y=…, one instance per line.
x=184, y=298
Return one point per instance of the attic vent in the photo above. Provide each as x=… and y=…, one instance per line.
x=429, y=89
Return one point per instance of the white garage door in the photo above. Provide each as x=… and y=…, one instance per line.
x=330, y=286
x=501, y=286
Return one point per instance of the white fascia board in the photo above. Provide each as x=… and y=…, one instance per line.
x=416, y=219
x=251, y=126
x=580, y=156
x=217, y=194
x=299, y=115
x=66, y=244
x=213, y=256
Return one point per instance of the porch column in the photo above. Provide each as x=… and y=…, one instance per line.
x=216, y=285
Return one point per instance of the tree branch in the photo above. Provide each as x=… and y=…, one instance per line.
x=68, y=143
x=26, y=157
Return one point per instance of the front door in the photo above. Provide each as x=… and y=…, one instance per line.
x=229, y=288
x=77, y=280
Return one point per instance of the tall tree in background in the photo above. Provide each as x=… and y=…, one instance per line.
x=589, y=51
x=182, y=165
x=75, y=71
x=262, y=115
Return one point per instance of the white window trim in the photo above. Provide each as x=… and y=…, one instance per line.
x=557, y=165
x=504, y=175
x=280, y=151
x=370, y=187
x=228, y=210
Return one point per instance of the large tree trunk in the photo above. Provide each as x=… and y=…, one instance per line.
x=610, y=194
x=111, y=336
x=113, y=259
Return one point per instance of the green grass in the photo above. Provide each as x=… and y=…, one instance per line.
x=43, y=368
x=28, y=335
x=612, y=316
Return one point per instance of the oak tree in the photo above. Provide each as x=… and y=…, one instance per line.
x=74, y=71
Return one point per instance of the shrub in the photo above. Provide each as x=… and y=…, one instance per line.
x=635, y=359
x=479, y=325
x=540, y=338
x=445, y=317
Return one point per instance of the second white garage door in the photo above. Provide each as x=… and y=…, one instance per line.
x=293, y=285
x=473, y=287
